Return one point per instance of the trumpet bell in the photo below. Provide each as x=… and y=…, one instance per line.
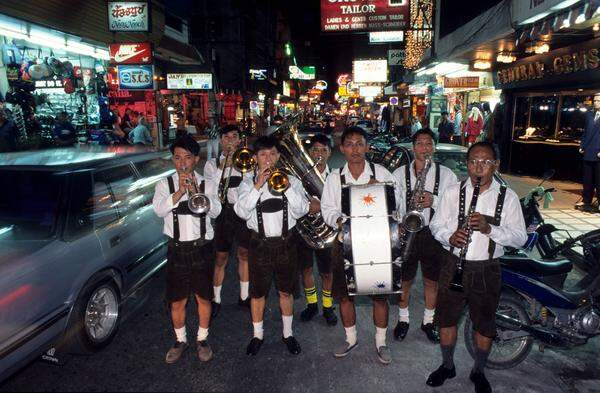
x=278, y=182
x=198, y=203
x=413, y=221
x=243, y=159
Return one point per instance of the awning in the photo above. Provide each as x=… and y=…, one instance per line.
x=177, y=52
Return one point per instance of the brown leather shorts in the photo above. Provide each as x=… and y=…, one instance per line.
x=230, y=228
x=190, y=268
x=429, y=252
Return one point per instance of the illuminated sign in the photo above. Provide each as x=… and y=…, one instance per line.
x=200, y=81
x=130, y=53
x=462, y=82
x=128, y=16
x=396, y=57
x=343, y=79
x=377, y=37
x=258, y=74
x=135, y=77
x=364, y=15
x=303, y=73
x=367, y=71
x=321, y=85
x=369, y=91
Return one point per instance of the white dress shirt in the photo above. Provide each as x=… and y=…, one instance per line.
x=511, y=231
x=331, y=200
x=189, y=226
x=447, y=178
x=248, y=197
x=213, y=173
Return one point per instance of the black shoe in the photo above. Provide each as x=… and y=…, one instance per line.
x=329, y=315
x=292, y=345
x=254, y=346
x=439, y=376
x=401, y=330
x=481, y=383
x=431, y=332
x=215, y=308
x=309, y=312
x=244, y=303
x=587, y=208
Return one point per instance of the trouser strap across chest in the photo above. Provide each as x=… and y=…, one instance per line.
x=259, y=218
x=183, y=209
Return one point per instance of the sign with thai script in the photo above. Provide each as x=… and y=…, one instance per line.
x=364, y=15
x=130, y=53
x=128, y=16
x=135, y=77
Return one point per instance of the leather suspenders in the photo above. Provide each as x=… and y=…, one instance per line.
x=407, y=180
x=184, y=210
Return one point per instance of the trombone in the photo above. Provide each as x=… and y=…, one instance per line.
x=243, y=158
x=225, y=188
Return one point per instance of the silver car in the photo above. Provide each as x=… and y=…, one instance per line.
x=77, y=238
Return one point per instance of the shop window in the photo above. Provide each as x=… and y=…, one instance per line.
x=542, y=122
x=521, y=116
x=573, y=114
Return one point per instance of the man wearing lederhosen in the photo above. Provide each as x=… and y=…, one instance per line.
x=271, y=217
x=229, y=228
x=496, y=223
x=424, y=247
x=190, y=254
x=319, y=151
x=357, y=170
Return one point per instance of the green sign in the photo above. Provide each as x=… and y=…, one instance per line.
x=303, y=73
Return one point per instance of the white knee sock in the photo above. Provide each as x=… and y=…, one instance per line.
x=244, y=289
x=181, y=335
x=217, y=297
x=202, y=334
x=287, y=325
x=351, y=334
x=258, y=329
x=380, y=334
x=403, y=314
x=428, y=316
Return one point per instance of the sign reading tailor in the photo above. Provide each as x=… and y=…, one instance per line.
x=364, y=15
x=128, y=16
x=135, y=77
x=366, y=71
x=130, y=53
x=200, y=81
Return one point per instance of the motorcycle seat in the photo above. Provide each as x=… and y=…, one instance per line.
x=537, y=267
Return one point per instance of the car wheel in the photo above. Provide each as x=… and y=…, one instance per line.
x=95, y=318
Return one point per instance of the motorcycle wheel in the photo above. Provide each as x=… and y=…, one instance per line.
x=506, y=352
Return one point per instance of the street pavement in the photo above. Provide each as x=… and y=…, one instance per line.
x=135, y=359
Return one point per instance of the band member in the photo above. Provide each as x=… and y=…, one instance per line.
x=190, y=254
x=319, y=151
x=356, y=171
x=271, y=216
x=229, y=228
x=497, y=222
x=424, y=247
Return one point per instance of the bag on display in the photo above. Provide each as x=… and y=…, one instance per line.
x=68, y=86
x=39, y=71
x=55, y=66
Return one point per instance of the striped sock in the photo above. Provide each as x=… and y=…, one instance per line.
x=327, y=299
x=311, y=295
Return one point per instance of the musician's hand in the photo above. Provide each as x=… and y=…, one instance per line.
x=426, y=199
x=479, y=223
x=459, y=238
x=262, y=178
x=184, y=179
x=314, y=206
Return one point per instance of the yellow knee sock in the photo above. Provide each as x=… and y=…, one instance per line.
x=327, y=299
x=311, y=295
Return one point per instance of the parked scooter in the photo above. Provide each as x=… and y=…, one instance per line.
x=538, y=303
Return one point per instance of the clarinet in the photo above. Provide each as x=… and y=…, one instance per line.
x=457, y=281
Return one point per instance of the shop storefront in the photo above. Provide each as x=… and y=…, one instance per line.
x=549, y=97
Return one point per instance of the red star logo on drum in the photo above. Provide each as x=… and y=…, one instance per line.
x=368, y=200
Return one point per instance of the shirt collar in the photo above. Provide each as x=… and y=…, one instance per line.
x=366, y=171
x=494, y=186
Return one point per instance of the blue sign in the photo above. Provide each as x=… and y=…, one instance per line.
x=135, y=77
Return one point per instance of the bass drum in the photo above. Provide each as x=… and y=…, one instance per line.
x=371, y=241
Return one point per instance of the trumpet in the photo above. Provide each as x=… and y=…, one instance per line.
x=198, y=203
x=278, y=182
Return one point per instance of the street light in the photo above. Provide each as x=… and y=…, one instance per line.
x=288, y=49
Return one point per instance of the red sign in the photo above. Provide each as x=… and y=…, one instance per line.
x=131, y=53
x=364, y=15
x=314, y=92
x=462, y=82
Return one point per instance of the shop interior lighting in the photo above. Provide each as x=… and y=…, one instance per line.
x=505, y=58
x=566, y=22
x=482, y=64
x=563, y=4
x=535, y=18
x=584, y=13
x=596, y=27
x=541, y=48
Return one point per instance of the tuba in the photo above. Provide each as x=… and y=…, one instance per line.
x=295, y=160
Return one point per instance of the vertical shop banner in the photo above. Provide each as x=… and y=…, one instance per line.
x=129, y=16
x=130, y=53
x=364, y=15
x=135, y=77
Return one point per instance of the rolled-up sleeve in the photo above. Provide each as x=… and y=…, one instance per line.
x=331, y=208
x=248, y=197
x=162, y=202
x=511, y=232
x=298, y=203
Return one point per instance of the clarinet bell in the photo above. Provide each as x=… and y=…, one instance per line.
x=457, y=281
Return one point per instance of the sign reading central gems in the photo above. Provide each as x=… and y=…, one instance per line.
x=128, y=16
x=135, y=77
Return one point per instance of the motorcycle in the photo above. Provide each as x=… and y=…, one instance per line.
x=539, y=303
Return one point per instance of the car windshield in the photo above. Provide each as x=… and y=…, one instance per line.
x=456, y=161
x=29, y=204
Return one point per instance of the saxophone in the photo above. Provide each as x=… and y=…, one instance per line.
x=414, y=219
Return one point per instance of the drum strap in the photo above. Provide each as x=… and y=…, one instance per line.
x=436, y=186
x=183, y=209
